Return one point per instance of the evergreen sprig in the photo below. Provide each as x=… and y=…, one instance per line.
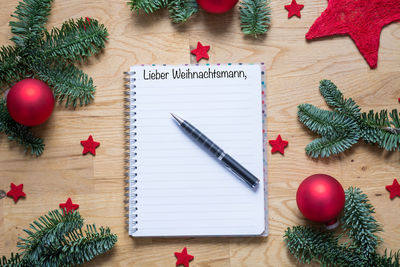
x=359, y=224
x=182, y=10
x=57, y=239
x=48, y=56
x=346, y=125
x=328, y=248
x=148, y=6
x=255, y=16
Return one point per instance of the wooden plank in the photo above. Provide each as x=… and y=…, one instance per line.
x=294, y=68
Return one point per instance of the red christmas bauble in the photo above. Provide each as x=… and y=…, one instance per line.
x=217, y=6
x=30, y=102
x=320, y=198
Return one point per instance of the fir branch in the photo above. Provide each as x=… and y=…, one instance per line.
x=308, y=244
x=325, y=122
x=182, y=10
x=58, y=240
x=48, y=232
x=11, y=69
x=334, y=144
x=387, y=260
x=334, y=98
x=80, y=248
x=69, y=83
x=12, y=261
x=75, y=40
x=148, y=6
x=359, y=224
x=19, y=133
x=374, y=128
x=255, y=16
x=31, y=18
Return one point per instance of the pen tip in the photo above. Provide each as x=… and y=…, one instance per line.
x=179, y=120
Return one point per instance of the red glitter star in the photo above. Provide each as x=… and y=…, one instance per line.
x=68, y=206
x=294, y=9
x=278, y=145
x=16, y=192
x=89, y=146
x=200, y=51
x=394, y=189
x=362, y=20
x=183, y=258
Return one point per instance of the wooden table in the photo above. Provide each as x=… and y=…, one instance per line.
x=294, y=69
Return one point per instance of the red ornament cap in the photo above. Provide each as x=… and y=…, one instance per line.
x=294, y=9
x=394, y=189
x=183, y=258
x=201, y=51
x=320, y=198
x=68, y=206
x=89, y=145
x=278, y=145
x=16, y=192
x=362, y=20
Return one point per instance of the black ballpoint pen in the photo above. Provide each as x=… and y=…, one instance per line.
x=227, y=160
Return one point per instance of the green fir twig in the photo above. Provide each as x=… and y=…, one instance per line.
x=310, y=244
x=57, y=239
x=346, y=125
x=181, y=10
x=255, y=16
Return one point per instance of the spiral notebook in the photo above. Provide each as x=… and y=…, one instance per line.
x=175, y=188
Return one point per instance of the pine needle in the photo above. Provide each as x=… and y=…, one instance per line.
x=345, y=125
x=148, y=6
x=255, y=16
x=326, y=247
x=57, y=239
x=181, y=10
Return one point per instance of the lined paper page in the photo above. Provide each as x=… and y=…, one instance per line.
x=181, y=189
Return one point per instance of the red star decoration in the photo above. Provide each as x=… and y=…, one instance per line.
x=278, y=145
x=183, y=258
x=89, y=146
x=394, y=189
x=68, y=206
x=200, y=51
x=294, y=9
x=16, y=192
x=362, y=20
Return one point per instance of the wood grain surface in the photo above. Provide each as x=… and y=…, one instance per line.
x=294, y=69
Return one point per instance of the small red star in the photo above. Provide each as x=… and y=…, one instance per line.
x=16, y=192
x=68, y=206
x=394, y=189
x=89, y=146
x=183, y=258
x=294, y=9
x=200, y=51
x=362, y=20
x=278, y=145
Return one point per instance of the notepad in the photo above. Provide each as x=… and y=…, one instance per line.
x=176, y=188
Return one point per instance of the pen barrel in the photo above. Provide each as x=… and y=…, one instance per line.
x=240, y=171
x=202, y=139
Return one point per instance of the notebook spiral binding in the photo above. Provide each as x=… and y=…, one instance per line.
x=130, y=153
